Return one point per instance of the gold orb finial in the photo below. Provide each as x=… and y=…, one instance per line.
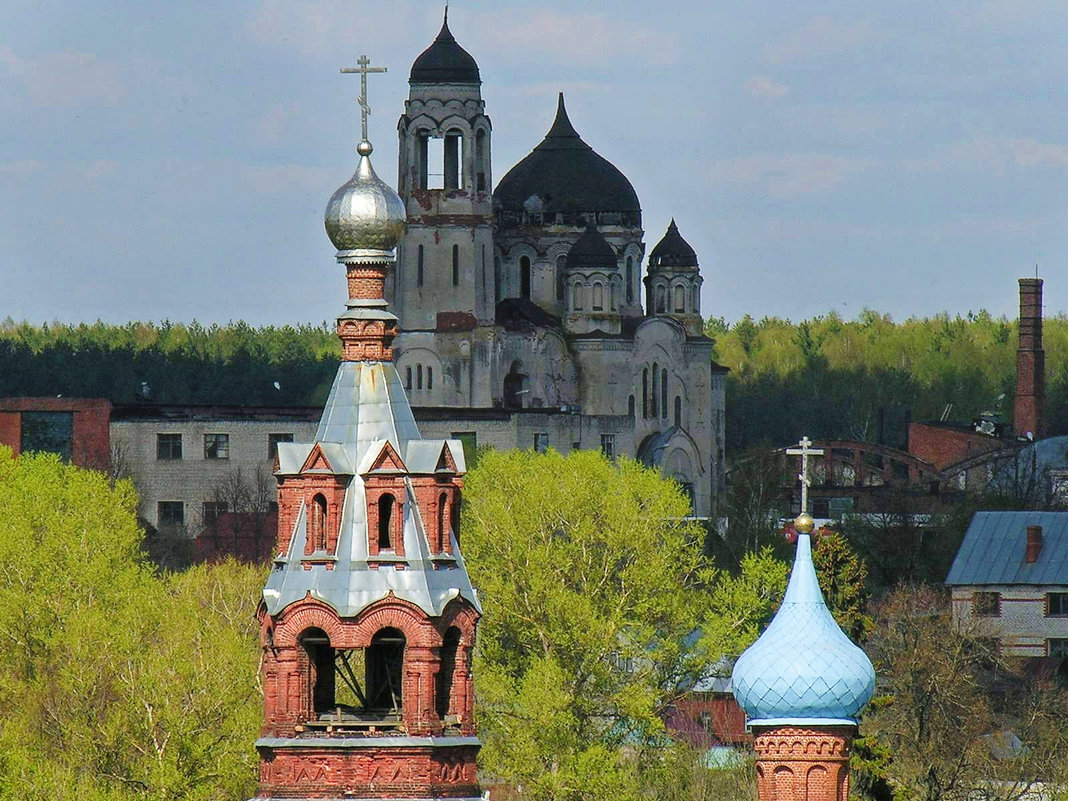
x=804, y=523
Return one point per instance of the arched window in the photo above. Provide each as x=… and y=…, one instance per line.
x=696, y=304
x=661, y=303
x=443, y=518
x=663, y=394
x=385, y=670
x=645, y=392
x=419, y=267
x=443, y=692
x=429, y=378
x=513, y=387
x=561, y=274
x=612, y=297
x=423, y=158
x=576, y=297
x=598, y=297
x=654, y=408
x=452, y=159
x=408, y=378
x=456, y=265
x=524, y=277
x=319, y=670
x=480, y=161
x=318, y=523
x=385, y=522
x=680, y=299
x=419, y=376
x=454, y=517
x=630, y=406
x=630, y=279
x=678, y=411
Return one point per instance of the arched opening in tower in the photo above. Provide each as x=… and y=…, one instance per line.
x=513, y=387
x=447, y=675
x=320, y=671
x=385, y=521
x=385, y=671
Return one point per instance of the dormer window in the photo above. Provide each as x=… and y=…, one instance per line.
x=385, y=519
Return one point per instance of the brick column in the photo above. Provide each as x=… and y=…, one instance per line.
x=1029, y=412
x=803, y=763
x=420, y=670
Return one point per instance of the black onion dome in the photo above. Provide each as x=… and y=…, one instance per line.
x=672, y=250
x=591, y=251
x=444, y=61
x=567, y=175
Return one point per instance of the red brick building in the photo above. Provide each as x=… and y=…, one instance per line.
x=75, y=428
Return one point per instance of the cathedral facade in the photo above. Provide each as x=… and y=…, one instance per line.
x=521, y=306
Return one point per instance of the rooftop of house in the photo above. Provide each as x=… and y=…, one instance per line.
x=995, y=550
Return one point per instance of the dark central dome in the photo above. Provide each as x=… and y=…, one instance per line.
x=566, y=176
x=444, y=61
x=591, y=251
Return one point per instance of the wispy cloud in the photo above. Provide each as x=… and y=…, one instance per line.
x=994, y=154
x=764, y=87
x=788, y=175
x=66, y=79
x=818, y=38
x=529, y=34
x=16, y=168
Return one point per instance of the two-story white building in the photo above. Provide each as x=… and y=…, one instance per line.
x=1009, y=582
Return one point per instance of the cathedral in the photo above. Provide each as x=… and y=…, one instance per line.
x=521, y=307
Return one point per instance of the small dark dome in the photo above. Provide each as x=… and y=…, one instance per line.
x=672, y=251
x=444, y=61
x=565, y=173
x=591, y=252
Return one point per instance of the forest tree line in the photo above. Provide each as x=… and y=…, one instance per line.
x=826, y=376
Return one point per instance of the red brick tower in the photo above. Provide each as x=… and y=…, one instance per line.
x=1029, y=413
x=368, y=617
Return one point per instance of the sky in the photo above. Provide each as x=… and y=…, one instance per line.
x=173, y=160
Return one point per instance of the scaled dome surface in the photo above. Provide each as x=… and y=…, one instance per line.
x=803, y=669
x=567, y=175
x=444, y=61
x=365, y=213
x=672, y=251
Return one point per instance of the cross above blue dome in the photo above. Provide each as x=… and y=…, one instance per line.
x=803, y=670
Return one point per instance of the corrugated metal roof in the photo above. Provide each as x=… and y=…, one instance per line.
x=994, y=545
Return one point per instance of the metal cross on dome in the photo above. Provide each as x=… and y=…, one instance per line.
x=363, y=68
x=804, y=451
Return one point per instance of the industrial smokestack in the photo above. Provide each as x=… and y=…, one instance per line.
x=1029, y=413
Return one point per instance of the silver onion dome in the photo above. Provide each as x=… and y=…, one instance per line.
x=365, y=213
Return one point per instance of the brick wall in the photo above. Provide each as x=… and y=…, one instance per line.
x=1022, y=628
x=943, y=446
x=91, y=445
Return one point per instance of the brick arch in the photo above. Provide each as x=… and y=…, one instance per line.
x=397, y=614
x=307, y=615
x=459, y=613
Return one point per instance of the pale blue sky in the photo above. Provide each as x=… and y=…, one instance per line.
x=172, y=160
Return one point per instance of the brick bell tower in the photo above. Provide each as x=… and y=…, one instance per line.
x=802, y=685
x=368, y=617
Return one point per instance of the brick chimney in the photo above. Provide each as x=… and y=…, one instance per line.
x=1034, y=544
x=1029, y=414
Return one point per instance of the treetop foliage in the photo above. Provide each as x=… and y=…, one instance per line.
x=116, y=683
x=600, y=611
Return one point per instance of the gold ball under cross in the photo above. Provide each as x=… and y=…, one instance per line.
x=804, y=523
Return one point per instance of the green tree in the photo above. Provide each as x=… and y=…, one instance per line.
x=116, y=683
x=843, y=580
x=600, y=610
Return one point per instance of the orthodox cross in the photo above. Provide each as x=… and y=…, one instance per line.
x=364, y=68
x=804, y=451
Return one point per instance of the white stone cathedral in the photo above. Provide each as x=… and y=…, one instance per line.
x=521, y=307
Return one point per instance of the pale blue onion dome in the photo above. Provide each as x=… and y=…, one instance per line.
x=365, y=213
x=803, y=670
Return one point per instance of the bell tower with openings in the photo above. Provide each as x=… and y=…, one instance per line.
x=368, y=617
x=445, y=274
